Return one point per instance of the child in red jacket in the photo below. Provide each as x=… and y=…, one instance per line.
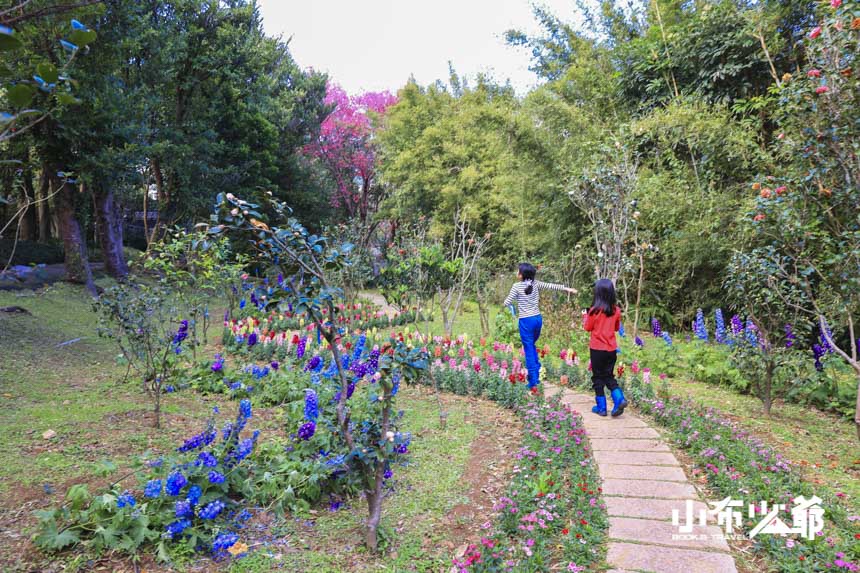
x=603, y=320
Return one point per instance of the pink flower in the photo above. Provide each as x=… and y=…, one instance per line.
x=815, y=32
x=835, y=3
x=813, y=73
x=821, y=90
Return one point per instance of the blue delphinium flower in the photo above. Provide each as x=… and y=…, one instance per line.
x=699, y=326
x=817, y=352
x=313, y=364
x=737, y=325
x=668, y=339
x=194, y=493
x=359, y=347
x=395, y=384
x=181, y=334
x=751, y=333
x=211, y=510
x=177, y=527
x=245, y=447
x=275, y=365
x=306, y=431
x=207, y=459
x=720, y=328
x=218, y=365
x=656, y=329
x=223, y=542
x=245, y=408
x=153, y=488
x=216, y=477
x=621, y=330
x=388, y=474
x=126, y=499
x=183, y=508
x=228, y=429
x=170, y=389
x=300, y=348
x=790, y=337
x=252, y=339
x=315, y=379
x=200, y=440
x=175, y=482
x=638, y=341
x=311, y=405
x=242, y=303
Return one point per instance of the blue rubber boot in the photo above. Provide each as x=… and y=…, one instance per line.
x=600, y=408
x=619, y=403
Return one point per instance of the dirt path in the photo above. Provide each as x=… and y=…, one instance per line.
x=642, y=483
x=379, y=301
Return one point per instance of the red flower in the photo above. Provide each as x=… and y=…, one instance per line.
x=620, y=371
x=579, y=536
x=534, y=391
x=814, y=73
x=759, y=217
x=582, y=521
x=815, y=32
x=821, y=90
x=565, y=531
x=541, y=494
x=512, y=378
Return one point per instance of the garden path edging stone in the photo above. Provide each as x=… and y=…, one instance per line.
x=642, y=483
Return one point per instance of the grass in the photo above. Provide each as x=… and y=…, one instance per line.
x=75, y=390
x=416, y=516
x=823, y=444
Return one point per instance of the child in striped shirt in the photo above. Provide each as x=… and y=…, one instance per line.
x=526, y=293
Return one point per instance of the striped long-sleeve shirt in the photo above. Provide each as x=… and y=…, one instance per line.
x=529, y=304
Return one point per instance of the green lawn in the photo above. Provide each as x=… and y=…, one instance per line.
x=824, y=445
x=76, y=390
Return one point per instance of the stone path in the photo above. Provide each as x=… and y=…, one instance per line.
x=642, y=483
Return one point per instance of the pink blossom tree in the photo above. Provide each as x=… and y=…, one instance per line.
x=345, y=148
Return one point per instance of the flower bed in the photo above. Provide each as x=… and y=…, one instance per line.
x=552, y=513
x=739, y=465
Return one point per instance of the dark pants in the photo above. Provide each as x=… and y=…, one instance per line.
x=603, y=370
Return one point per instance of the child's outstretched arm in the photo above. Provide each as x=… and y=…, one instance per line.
x=554, y=286
x=512, y=296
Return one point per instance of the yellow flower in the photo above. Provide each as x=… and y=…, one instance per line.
x=786, y=76
x=237, y=549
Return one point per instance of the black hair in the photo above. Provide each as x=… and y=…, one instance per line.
x=604, y=298
x=527, y=271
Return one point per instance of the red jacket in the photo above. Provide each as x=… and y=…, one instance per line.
x=603, y=329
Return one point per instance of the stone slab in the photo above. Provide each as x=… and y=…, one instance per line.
x=667, y=559
x=631, y=445
x=664, y=533
x=623, y=433
x=636, y=458
x=659, y=509
x=595, y=422
x=657, y=473
x=649, y=488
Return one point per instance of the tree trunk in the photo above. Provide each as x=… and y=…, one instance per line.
x=77, y=265
x=43, y=207
x=109, y=224
x=374, y=508
x=27, y=223
x=766, y=390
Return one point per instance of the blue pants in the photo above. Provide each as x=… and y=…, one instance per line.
x=529, y=334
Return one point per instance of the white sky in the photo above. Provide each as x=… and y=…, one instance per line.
x=372, y=45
